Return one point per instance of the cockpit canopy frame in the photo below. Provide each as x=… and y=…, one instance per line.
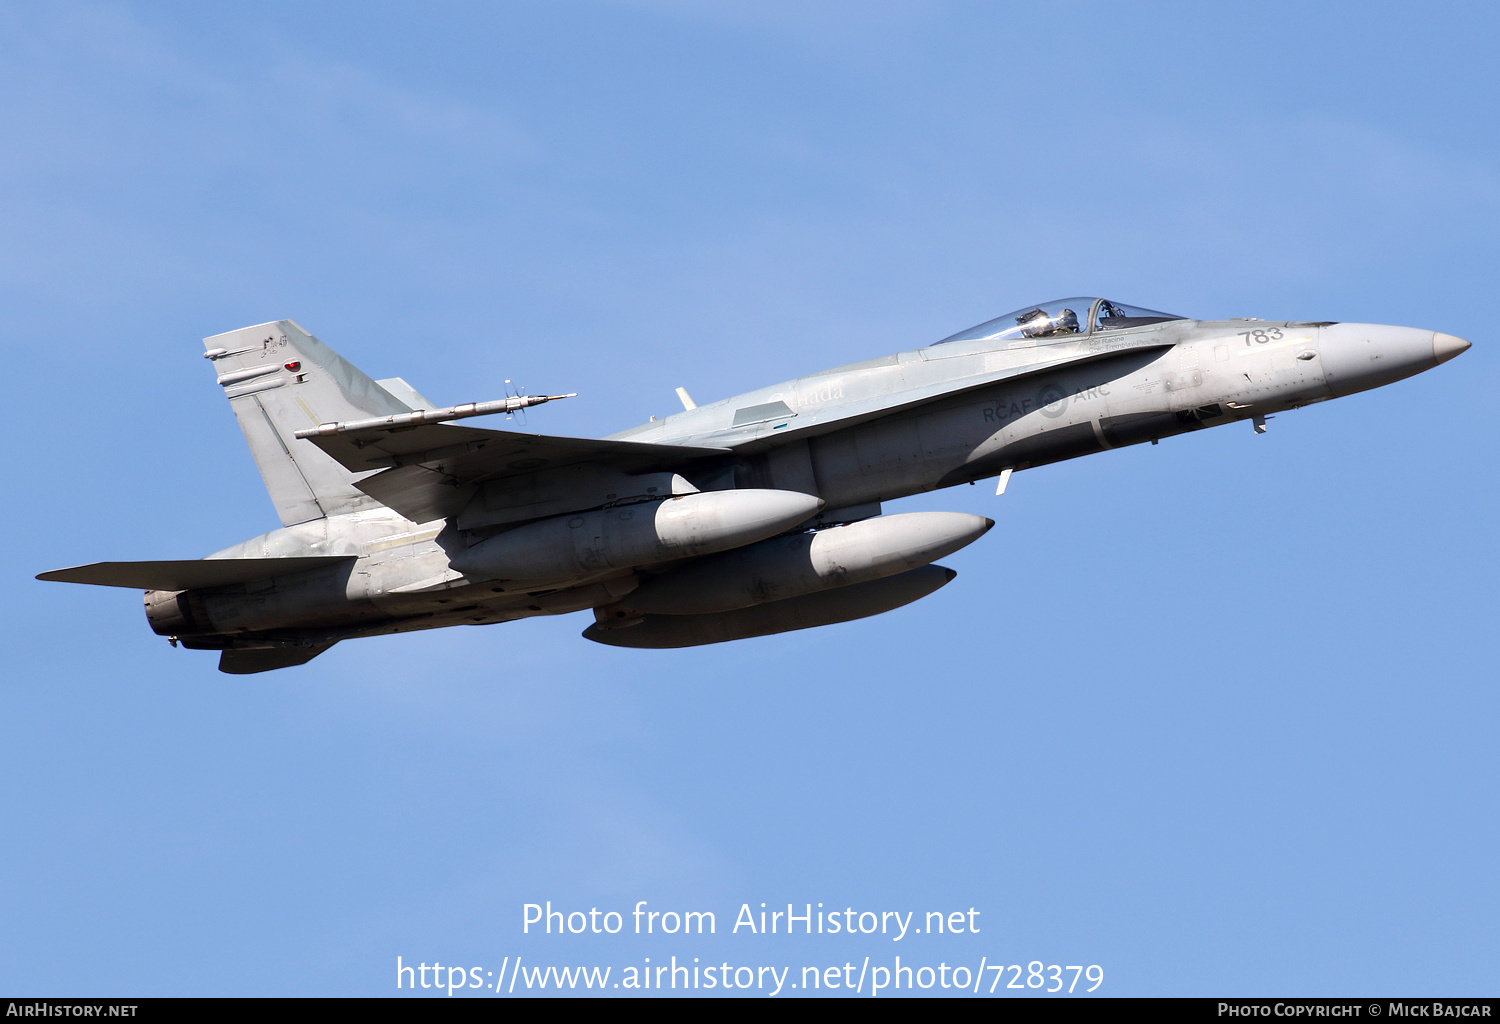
x=1060, y=318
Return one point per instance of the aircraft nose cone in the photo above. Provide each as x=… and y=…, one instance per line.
x=1446, y=346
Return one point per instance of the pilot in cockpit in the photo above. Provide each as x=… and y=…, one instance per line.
x=1035, y=323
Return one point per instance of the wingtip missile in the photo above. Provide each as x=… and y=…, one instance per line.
x=453, y=412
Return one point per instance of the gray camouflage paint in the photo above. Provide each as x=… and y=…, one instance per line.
x=852, y=437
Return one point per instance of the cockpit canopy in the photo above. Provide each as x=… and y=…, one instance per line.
x=1060, y=317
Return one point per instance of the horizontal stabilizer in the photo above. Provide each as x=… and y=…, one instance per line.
x=265, y=659
x=188, y=575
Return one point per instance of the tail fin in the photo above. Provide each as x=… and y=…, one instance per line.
x=279, y=379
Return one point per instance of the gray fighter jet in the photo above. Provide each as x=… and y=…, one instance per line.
x=753, y=515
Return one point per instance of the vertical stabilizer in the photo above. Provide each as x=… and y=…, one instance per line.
x=279, y=379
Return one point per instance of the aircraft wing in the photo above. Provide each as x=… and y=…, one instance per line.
x=429, y=470
x=188, y=575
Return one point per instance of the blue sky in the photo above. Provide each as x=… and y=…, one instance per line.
x=1216, y=715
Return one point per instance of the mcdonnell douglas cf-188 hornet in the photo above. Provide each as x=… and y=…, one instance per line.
x=754, y=515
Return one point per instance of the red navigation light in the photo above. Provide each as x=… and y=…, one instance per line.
x=294, y=366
